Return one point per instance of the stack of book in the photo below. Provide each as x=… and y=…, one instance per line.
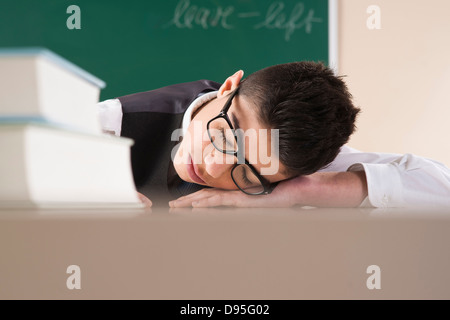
x=53, y=151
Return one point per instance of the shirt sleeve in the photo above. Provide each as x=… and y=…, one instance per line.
x=396, y=180
x=110, y=116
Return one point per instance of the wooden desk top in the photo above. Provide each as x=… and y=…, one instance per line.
x=225, y=253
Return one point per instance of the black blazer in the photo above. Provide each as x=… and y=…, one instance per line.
x=149, y=118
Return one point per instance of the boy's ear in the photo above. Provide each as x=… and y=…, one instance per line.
x=231, y=83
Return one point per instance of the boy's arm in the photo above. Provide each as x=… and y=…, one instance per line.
x=146, y=201
x=321, y=189
x=383, y=180
x=398, y=180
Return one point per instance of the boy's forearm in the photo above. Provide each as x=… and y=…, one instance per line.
x=325, y=189
x=330, y=189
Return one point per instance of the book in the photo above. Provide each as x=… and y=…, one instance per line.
x=36, y=82
x=44, y=165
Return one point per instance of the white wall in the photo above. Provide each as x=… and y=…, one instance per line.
x=399, y=75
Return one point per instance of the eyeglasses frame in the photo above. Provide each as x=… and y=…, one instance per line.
x=268, y=187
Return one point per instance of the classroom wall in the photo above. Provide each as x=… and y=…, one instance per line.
x=399, y=75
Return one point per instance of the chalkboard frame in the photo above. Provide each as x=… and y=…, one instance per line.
x=333, y=48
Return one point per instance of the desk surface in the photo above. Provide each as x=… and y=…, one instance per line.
x=225, y=253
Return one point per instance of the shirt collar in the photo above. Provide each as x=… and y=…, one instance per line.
x=197, y=103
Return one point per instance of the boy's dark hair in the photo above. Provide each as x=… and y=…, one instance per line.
x=310, y=106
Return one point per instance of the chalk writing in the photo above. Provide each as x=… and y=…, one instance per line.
x=187, y=15
x=277, y=19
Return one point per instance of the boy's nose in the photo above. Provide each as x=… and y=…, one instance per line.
x=218, y=163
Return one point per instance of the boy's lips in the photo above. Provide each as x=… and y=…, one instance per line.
x=193, y=171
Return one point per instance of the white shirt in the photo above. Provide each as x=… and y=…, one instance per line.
x=393, y=180
x=396, y=180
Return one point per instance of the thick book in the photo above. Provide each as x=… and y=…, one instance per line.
x=36, y=82
x=47, y=166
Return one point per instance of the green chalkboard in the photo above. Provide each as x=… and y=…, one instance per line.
x=138, y=45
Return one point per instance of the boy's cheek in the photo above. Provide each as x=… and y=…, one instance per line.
x=223, y=183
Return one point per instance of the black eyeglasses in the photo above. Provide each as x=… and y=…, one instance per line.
x=224, y=138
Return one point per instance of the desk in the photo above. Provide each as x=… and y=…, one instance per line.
x=225, y=253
